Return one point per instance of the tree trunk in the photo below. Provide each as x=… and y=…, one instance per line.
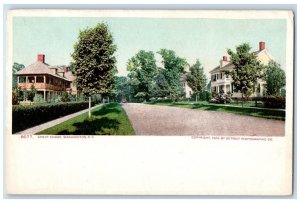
x=90, y=113
x=196, y=98
x=242, y=100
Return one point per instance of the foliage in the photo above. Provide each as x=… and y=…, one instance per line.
x=196, y=78
x=94, y=60
x=142, y=71
x=223, y=98
x=274, y=102
x=65, y=97
x=15, y=100
x=38, y=98
x=20, y=93
x=31, y=93
x=247, y=69
x=275, y=78
x=204, y=96
x=161, y=87
x=16, y=67
x=122, y=89
x=173, y=69
x=24, y=117
x=55, y=99
x=109, y=119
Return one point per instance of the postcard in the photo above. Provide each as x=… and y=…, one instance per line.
x=149, y=102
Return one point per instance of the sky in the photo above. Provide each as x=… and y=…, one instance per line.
x=203, y=39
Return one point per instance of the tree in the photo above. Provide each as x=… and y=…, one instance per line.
x=173, y=70
x=94, y=61
x=247, y=69
x=275, y=78
x=122, y=88
x=31, y=93
x=16, y=67
x=142, y=71
x=161, y=87
x=196, y=78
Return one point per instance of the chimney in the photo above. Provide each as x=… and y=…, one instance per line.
x=224, y=58
x=41, y=58
x=66, y=69
x=262, y=46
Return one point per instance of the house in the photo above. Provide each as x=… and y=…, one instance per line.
x=222, y=82
x=187, y=90
x=47, y=80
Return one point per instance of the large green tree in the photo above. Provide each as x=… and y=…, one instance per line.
x=161, y=87
x=275, y=78
x=142, y=71
x=122, y=88
x=94, y=61
x=247, y=69
x=196, y=78
x=173, y=69
x=16, y=67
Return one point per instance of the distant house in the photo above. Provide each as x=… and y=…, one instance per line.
x=187, y=89
x=47, y=80
x=221, y=82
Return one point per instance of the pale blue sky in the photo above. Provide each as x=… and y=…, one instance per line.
x=205, y=39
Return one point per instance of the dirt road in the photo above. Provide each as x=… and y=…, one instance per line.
x=162, y=120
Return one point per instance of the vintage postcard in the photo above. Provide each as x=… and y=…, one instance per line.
x=149, y=102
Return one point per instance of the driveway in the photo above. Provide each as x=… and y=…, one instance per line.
x=162, y=120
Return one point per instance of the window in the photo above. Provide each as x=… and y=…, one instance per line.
x=39, y=79
x=214, y=77
x=31, y=79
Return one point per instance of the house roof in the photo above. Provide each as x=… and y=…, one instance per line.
x=229, y=66
x=39, y=68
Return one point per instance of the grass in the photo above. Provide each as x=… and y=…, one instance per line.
x=109, y=119
x=203, y=105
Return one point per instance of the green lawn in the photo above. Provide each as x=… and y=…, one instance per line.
x=263, y=113
x=109, y=119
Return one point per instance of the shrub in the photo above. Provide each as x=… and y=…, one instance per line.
x=221, y=98
x=38, y=98
x=204, y=96
x=65, y=97
x=274, y=102
x=24, y=117
x=15, y=99
x=55, y=99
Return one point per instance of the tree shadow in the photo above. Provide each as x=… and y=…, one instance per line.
x=109, y=108
x=98, y=126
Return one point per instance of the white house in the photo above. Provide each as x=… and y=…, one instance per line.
x=187, y=90
x=220, y=81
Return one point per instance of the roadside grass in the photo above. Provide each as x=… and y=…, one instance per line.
x=204, y=105
x=109, y=119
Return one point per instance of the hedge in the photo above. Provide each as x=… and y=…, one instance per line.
x=24, y=117
x=274, y=102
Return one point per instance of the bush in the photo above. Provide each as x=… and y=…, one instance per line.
x=221, y=98
x=65, y=97
x=24, y=117
x=15, y=100
x=38, y=98
x=274, y=102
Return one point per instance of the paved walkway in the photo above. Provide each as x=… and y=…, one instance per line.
x=38, y=128
x=164, y=120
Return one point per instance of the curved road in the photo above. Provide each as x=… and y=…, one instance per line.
x=162, y=120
